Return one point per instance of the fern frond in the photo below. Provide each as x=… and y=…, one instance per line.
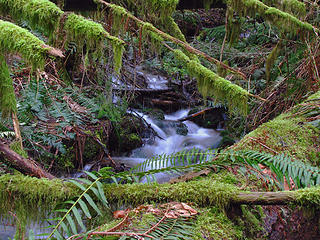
x=73, y=216
x=303, y=174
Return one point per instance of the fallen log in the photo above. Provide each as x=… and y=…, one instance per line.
x=143, y=90
x=28, y=166
x=204, y=192
x=194, y=115
x=264, y=198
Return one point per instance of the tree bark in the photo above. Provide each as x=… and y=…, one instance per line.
x=194, y=115
x=26, y=165
x=264, y=198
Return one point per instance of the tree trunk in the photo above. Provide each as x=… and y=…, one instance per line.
x=26, y=165
x=264, y=198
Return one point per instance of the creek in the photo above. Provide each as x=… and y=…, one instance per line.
x=171, y=136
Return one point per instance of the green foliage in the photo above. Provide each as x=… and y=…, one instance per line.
x=184, y=158
x=41, y=14
x=272, y=58
x=211, y=84
x=8, y=102
x=80, y=29
x=14, y=39
x=74, y=211
x=214, y=224
x=303, y=175
x=40, y=102
x=279, y=16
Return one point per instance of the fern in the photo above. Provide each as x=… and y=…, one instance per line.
x=186, y=157
x=303, y=174
x=79, y=207
x=168, y=229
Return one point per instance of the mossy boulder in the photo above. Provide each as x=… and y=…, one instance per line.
x=126, y=136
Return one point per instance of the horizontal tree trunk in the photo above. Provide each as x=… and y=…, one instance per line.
x=26, y=165
x=264, y=198
x=194, y=115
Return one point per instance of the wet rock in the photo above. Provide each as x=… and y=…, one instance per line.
x=182, y=129
x=127, y=135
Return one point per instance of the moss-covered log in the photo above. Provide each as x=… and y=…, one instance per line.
x=295, y=133
x=46, y=16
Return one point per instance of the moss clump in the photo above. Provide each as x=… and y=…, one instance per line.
x=204, y=192
x=211, y=84
x=8, y=103
x=214, y=224
x=14, y=39
x=308, y=196
x=93, y=35
x=289, y=133
x=41, y=14
x=31, y=198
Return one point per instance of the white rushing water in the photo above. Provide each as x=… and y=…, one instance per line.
x=197, y=137
x=170, y=141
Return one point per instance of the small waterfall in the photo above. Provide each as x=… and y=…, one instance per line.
x=171, y=141
x=197, y=137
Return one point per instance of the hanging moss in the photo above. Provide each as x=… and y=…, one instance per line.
x=286, y=22
x=14, y=39
x=41, y=14
x=31, y=198
x=118, y=14
x=157, y=12
x=207, y=4
x=272, y=58
x=8, y=103
x=294, y=7
x=210, y=84
x=148, y=35
x=83, y=31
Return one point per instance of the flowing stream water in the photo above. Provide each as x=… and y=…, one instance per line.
x=170, y=139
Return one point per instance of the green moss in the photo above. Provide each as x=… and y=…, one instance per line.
x=272, y=58
x=41, y=14
x=308, y=196
x=17, y=40
x=289, y=133
x=286, y=22
x=31, y=198
x=16, y=146
x=8, y=103
x=214, y=224
x=88, y=32
x=252, y=219
x=203, y=193
x=211, y=84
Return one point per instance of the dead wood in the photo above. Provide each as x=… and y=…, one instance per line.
x=28, y=166
x=194, y=115
x=264, y=198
